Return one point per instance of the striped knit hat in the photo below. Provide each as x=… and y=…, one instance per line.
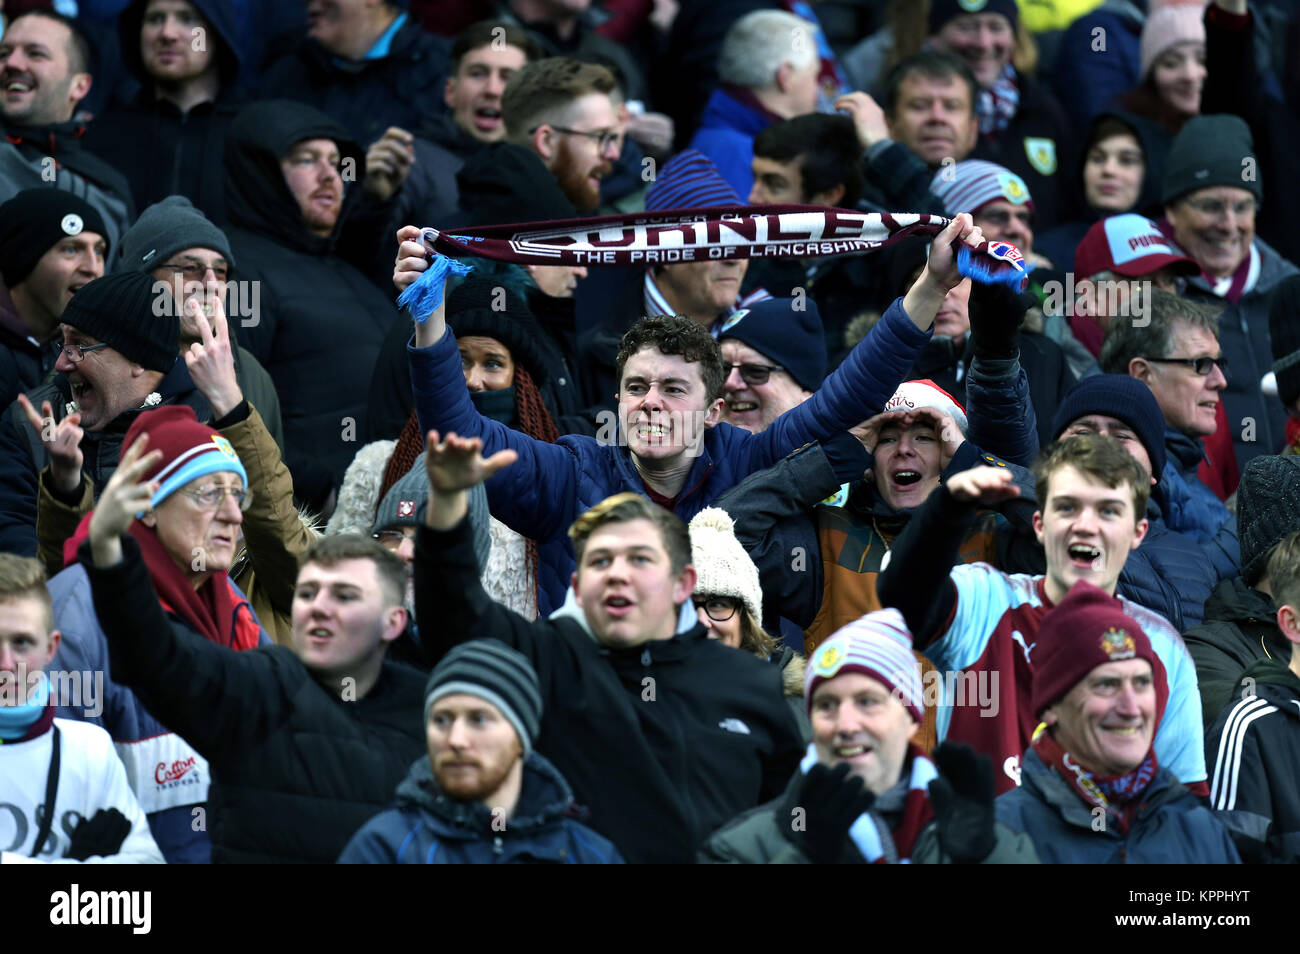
x=690, y=181
x=190, y=449
x=969, y=186
x=878, y=645
x=494, y=672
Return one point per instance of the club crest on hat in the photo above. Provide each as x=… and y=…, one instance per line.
x=733, y=320
x=827, y=661
x=224, y=446
x=972, y=6
x=72, y=224
x=1013, y=187
x=1118, y=644
x=406, y=508
x=1041, y=153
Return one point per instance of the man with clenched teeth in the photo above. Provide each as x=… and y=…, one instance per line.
x=986, y=624
x=667, y=441
x=1094, y=789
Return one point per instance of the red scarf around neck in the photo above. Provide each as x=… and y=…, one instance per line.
x=214, y=610
x=1119, y=796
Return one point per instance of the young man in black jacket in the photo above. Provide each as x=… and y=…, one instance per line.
x=1255, y=743
x=305, y=744
x=663, y=733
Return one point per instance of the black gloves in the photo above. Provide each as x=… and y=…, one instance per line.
x=996, y=313
x=102, y=835
x=962, y=799
x=826, y=805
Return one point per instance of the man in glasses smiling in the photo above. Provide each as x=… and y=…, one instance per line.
x=1177, y=355
x=774, y=356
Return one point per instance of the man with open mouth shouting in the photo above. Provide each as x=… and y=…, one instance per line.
x=975, y=619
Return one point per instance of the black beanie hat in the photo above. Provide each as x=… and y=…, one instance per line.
x=118, y=309
x=941, y=11
x=1284, y=336
x=492, y=671
x=1211, y=151
x=34, y=221
x=1268, y=510
x=789, y=332
x=470, y=311
x=502, y=183
x=1123, y=398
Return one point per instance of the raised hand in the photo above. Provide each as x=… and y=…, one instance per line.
x=412, y=257
x=457, y=463
x=962, y=799
x=123, y=498
x=868, y=432
x=62, y=441
x=868, y=118
x=388, y=162
x=946, y=429
x=941, y=266
x=989, y=486
x=211, y=359
x=831, y=800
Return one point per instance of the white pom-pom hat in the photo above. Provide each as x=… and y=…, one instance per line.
x=723, y=566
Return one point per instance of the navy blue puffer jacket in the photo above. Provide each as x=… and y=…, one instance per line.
x=1171, y=826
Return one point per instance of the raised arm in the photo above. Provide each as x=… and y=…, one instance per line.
x=275, y=535
x=916, y=580
x=776, y=521
x=859, y=388
x=1001, y=415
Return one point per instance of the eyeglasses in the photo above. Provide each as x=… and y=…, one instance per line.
x=1201, y=366
x=1215, y=208
x=392, y=539
x=604, y=138
x=752, y=373
x=717, y=608
x=1001, y=218
x=197, y=271
x=210, y=497
x=77, y=352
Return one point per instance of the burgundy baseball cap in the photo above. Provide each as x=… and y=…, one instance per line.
x=1130, y=245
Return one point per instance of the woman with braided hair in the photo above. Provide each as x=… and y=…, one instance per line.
x=505, y=370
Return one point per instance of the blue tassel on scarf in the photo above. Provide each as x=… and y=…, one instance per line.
x=423, y=296
x=1014, y=275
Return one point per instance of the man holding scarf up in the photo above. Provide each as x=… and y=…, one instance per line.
x=1092, y=790
x=866, y=792
x=669, y=444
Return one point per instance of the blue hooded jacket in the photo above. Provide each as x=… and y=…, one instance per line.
x=426, y=827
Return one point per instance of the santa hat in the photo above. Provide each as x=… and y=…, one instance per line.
x=925, y=393
x=190, y=449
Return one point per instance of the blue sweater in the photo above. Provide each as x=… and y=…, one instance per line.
x=726, y=135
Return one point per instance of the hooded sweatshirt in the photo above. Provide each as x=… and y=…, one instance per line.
x=161, y=150
x=320, y=322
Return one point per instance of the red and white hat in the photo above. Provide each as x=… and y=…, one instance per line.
x=925, y=393
x=1130, y=245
